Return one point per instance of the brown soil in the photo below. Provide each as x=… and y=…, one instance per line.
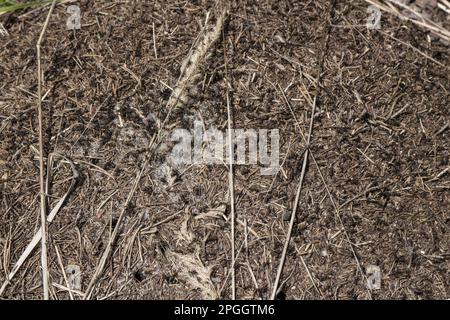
x=380, y=138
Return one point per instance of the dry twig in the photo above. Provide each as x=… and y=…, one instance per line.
x=305, y=158
x=43, y=199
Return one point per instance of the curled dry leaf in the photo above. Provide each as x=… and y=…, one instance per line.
x=192, y=271
x=215, y=213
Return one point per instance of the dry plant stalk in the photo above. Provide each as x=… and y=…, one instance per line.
x=338, y=215
x=39, y=234
x=102, y=263
x=294, y=208
x=63, y=271
x=230, y=175
x=232, y=202
x=43, y=199
x=305, y=157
